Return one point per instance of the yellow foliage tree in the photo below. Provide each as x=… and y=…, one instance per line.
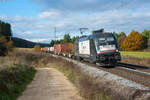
x=134, y=41
x=10, y=45
x=36, y=48
x=3, y=40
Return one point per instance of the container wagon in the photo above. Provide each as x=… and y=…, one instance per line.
x=66, y=49
x=57, y=49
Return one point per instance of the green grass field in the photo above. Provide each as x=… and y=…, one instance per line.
x=136, y=54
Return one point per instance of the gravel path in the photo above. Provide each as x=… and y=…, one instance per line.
x=50, y=84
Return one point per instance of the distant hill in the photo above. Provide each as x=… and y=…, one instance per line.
x=22, y=43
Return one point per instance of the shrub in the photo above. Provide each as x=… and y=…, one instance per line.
x=10, y=45
x=36, y=48
x=5, y=46
x=14, y=80
x=3, y=49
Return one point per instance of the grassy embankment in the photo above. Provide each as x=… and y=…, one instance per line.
x=139, y=58
x=87, y=88
x=14, y=76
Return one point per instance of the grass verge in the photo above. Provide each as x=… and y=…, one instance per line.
x=136, y=54
x=137, y=58
x=13, y=81
x=87, y=89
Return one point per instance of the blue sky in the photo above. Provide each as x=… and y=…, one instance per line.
x=35, y=19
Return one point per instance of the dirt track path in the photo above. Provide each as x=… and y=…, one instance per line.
x=50, y=84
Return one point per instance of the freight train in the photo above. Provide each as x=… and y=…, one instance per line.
x=99, y=47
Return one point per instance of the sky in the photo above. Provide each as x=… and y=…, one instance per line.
x=35, y=20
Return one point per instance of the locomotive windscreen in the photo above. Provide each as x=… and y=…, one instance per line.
x=105, y=42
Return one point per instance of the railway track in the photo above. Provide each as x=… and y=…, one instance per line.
x=137, y=68
x=136, y=73
x=127, y=72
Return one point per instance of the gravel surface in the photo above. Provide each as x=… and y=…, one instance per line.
x=50, y=84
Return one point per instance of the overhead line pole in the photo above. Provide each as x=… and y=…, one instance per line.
x=55, y=32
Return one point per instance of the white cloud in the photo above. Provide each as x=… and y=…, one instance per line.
x=39, y=40
x=41, y=27
x=28, y=32
x=48, y=14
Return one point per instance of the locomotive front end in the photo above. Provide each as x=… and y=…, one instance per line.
x=107, y=49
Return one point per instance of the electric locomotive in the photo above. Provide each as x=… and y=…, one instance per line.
x=99, y=47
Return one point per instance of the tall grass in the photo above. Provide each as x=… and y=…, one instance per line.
x=15, y=73
x=13, y=81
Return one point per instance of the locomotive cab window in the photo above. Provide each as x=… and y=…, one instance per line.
x=104, y=41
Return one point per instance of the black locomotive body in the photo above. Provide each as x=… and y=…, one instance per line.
x=99, y=47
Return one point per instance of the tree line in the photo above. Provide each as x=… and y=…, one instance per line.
x=133, y=41
x=5, y=33
x=66, y=39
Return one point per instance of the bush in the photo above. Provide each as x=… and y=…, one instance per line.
x=10, y=45
x=5, y=46
x=36, y=48
x=13, y=81
x=3, y=49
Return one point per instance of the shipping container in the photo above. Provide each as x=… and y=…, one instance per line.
x=45, y=49
x=66, y=49
x=57, y=49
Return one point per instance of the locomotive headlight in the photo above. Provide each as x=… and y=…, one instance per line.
x=101, y=47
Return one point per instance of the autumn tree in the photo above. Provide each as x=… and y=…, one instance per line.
x=36, y=48
x=121, y=38
x=133, y=42
x=3, y=46
x=10, y=45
